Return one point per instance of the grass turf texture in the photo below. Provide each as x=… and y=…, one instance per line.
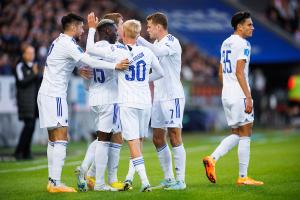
x=274, y=159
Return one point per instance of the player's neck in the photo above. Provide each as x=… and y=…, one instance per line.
x=69, y=33
x=239, y=34
x=162, y=35
x=129, y=41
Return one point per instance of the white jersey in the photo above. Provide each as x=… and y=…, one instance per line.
x=63, y=55
x=168, y=51
x=233, y=49
x=133, y=83
x=103, y=87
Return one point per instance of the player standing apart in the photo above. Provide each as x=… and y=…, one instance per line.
x=63, y=55
x=236, y=98
x=168, y=103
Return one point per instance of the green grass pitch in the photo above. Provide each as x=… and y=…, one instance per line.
x=275, y=159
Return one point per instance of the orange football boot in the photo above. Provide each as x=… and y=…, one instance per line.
x=60, y=188
x=209, y=164
x=248, y=181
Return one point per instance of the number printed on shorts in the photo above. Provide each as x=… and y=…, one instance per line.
x=99, y=76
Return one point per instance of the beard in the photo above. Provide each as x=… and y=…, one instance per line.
x=77, y=38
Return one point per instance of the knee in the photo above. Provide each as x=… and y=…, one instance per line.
x=158, y=140
x=175, y=137
x=117, y=138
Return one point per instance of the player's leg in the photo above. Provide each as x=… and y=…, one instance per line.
x=245, y=132
x=173, y=113
x=101, y=159
x=59, y=138
x=161, y=145
x=53, y=112
x=225, y=146
x=113, y=160
x=130, y=122
x=179, y=158
x=81, y=170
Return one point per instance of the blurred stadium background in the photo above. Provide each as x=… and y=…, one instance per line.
x=201, y=26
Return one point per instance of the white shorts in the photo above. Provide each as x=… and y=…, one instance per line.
x=53, y=111
x=235, y=112
x=134, y=122
x=168, y=113
x=107, y=118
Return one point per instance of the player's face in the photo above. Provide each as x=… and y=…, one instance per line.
x=152, y=29
x=113, y=34
x=78, y=28
x=247, y=28
x=120, y=29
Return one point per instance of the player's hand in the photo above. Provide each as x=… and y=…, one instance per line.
x=249, y=105
x=92, y=20
x=123, y=64
x=85, y=72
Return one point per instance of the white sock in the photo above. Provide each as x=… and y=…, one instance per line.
x=226, y=145
x=92, y=170
x=179, y=162
x=101, y=157
x=50, y=157
x=165, y=160
x=59, y=155
x=113, y=162
x=140, y=169
x=131, y=171
x=244, y=155
x=89, y=156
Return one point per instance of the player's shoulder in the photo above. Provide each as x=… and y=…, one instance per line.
x=170, y=40
x=119, y=45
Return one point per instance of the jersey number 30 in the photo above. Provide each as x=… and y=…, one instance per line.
x=137, y=72
x=226, y=61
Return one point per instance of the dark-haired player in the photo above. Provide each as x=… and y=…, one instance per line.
x=236, y=98
x=63, y=55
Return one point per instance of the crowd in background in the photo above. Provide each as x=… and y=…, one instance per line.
x=37, y=22
x=286, y=14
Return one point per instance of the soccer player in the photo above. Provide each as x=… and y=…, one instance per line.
x=168, y=102
x=63, y=55
x=134, y=93
x=236, y=98
x=88, y=166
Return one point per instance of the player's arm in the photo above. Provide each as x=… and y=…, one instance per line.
x=157, y=71
x=100, y=64
x=240, y=66
x=160, y=51
x=220, y=73
x=92, y=49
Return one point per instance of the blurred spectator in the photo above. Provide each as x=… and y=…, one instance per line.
x=26, y=74
x=284, y=13
x=294, y=94
x=38, y=23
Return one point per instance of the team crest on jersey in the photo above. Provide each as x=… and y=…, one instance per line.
x=170, y=38
x=246, y=52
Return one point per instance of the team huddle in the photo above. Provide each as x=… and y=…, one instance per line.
x=117, y=70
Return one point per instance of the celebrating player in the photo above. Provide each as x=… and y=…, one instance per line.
x=63, y=55
x=168, y=103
